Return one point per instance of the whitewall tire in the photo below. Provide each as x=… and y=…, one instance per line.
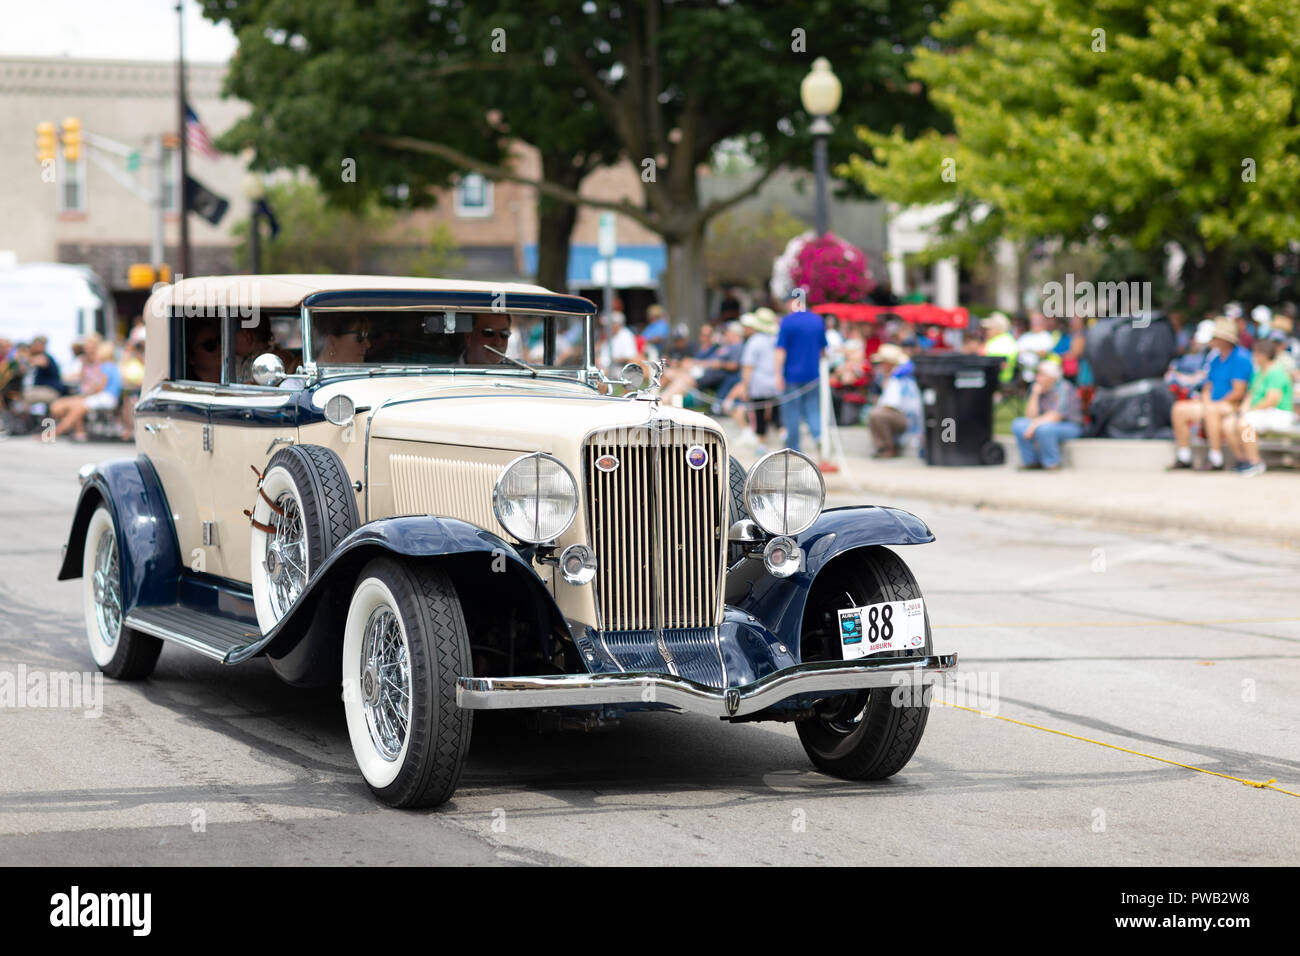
x=119, y=651
x=404, y=645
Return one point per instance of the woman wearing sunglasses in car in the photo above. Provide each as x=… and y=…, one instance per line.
x=203, y=337
x=344, y=340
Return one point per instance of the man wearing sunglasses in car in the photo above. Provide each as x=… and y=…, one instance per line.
x=491, y=332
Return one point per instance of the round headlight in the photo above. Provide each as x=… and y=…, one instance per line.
x=784, y=492
x=535, y=499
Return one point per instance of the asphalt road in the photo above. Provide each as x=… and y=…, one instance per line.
x=1171, y=646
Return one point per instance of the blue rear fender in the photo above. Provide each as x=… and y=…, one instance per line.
x=777, y=604
x=148, y=556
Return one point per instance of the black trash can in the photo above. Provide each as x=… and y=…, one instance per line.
x=957, y=400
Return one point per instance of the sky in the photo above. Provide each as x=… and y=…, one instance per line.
x=110, y=29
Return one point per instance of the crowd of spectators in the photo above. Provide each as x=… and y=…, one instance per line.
x=98, y=387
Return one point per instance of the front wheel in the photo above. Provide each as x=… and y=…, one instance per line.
x=120, y=652
x=870, y=734
x=404, y=645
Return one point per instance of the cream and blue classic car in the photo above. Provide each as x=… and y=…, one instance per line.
x=426, y=493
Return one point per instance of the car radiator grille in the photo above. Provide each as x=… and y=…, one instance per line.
x=656, y=527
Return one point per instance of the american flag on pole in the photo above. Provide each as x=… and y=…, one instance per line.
x=197, y=136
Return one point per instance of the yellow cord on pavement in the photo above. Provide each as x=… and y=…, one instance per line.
x=1258, y=784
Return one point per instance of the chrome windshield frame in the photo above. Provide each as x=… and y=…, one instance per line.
x=316, y=373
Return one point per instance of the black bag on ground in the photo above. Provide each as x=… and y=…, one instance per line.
x=1121, y=351
x=1136, y=410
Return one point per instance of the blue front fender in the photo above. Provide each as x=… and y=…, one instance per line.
x=148, y=556
x=778, y=603
x=419, y=536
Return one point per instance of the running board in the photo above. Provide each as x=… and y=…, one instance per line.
x=212, y=635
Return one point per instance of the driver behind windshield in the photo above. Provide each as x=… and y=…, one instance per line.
x=491, y=331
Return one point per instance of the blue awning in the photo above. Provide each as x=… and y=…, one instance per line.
x=634, y=266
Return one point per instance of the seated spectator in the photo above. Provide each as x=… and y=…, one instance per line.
x=11, y=380
x=1288, y=347
x=897, y=414
x=101, y=390
x=1052, y=415
x=715, y=365
x=1268, y=407
x=44, y=381
x=1227, y=375
x=132, y=369
x=1035, y=345
x=1187, y=372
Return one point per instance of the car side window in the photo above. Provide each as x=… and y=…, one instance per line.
x=197, y=354
x=279, y=333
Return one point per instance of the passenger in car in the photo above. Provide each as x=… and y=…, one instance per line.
x=203, y=350
x=491, y=331
x=344, y=340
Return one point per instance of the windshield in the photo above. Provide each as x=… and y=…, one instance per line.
x=445, y=339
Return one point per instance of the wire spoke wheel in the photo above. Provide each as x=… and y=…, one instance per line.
x=119, y=650
x=386, y=682
x=108, y=588
x=285, y=561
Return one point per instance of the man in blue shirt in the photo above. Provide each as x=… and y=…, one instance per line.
x=1227, y=375
x=799, y=347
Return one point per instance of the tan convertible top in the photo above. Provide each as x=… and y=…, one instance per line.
x=280, y=292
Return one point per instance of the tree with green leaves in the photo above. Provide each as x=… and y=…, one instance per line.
x=414, y=92
x=318, y=237
x=1131, y=123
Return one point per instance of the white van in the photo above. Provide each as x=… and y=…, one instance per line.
x=60, y=302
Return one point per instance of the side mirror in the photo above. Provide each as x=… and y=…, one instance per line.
x=268, y=369
x=632, y=376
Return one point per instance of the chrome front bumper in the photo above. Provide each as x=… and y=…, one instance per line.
x=578, y=690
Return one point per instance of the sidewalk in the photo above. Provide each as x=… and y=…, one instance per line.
x=1266, y=507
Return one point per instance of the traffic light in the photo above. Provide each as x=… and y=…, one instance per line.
x=72, y=139
x=46, y=143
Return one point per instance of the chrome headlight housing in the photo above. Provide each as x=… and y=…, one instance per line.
x=784, y=492
x=535, y=498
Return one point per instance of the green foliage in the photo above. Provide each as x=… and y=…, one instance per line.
x=330, y=79
x=741, y=244
x=320, y=237
x=1145, y=141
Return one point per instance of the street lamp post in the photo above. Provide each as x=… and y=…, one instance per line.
x=820, y=93
x=254, y=191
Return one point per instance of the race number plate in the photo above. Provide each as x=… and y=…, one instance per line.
x=890, y=627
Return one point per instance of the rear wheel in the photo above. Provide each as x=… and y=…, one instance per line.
x=869, y=734
x=404, y=644
x=120, y=652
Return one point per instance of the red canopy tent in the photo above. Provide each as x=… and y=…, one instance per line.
x=920, y=314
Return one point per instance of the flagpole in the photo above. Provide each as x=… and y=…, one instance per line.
x=183, y=263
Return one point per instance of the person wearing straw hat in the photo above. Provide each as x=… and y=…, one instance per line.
x=758, y=376
x=1227, y=375
x=898, y=412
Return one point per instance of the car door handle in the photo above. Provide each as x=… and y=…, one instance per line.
x=154, y=429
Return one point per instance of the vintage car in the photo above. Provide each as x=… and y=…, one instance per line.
x=426, y=492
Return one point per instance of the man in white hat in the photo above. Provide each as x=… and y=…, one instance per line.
x=1227, y=375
